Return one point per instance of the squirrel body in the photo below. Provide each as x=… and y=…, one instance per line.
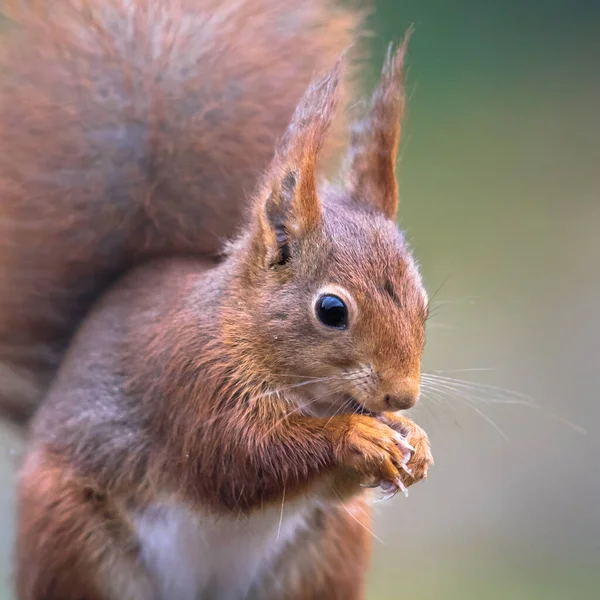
x=212, y=424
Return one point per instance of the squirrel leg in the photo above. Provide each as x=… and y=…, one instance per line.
x=71, y=542
x=329, y=560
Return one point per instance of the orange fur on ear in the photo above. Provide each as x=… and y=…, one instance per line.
x=289, y=203
x=374, y=139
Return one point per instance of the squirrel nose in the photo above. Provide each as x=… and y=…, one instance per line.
x=405, y=397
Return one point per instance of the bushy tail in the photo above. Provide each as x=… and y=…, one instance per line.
x=131, y=129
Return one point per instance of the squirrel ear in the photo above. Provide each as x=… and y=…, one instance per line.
x=289, y=205
x=374, y=139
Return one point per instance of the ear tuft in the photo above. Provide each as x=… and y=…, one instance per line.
x=374, y=139
x=289, y=205
x=312, y=118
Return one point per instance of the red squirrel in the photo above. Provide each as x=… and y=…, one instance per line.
x=213, y=426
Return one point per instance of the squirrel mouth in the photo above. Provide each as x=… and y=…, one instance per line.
x=357, y=408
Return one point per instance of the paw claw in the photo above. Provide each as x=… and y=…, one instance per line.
x=390, y=489
x=401, y=441
x=401, y=486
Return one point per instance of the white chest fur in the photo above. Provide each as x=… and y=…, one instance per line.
x=191, y=555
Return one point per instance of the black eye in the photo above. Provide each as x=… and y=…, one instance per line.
x=332, y=312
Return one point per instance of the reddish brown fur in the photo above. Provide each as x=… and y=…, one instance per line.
x=216, y=387
x=322, y=566
x=71, y=536
x=130, y=134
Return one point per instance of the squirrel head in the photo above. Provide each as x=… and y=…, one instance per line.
x=328, y=307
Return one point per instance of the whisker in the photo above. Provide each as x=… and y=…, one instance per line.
x=308, y=377
x=297, y=409
x=464, y=384
x=487, y=418
x=293, y=386
x=433, y=395
x=281, y=515
x=357, y=376
x=471, y=300
x=490, y=394
x=354, y=375
x=468, y=401
x=437, y=371
x=344, y=405
x=357, y=520
x=461, y=393
x=456, y=391
x=298, y=376
x=433, y=296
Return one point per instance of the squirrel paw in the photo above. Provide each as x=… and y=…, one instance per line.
x=377, y=452
x=419, y=463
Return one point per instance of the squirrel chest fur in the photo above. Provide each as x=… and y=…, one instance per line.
x=195, y=555
x=209, y=420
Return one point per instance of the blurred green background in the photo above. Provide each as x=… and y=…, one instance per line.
x=500, y=185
